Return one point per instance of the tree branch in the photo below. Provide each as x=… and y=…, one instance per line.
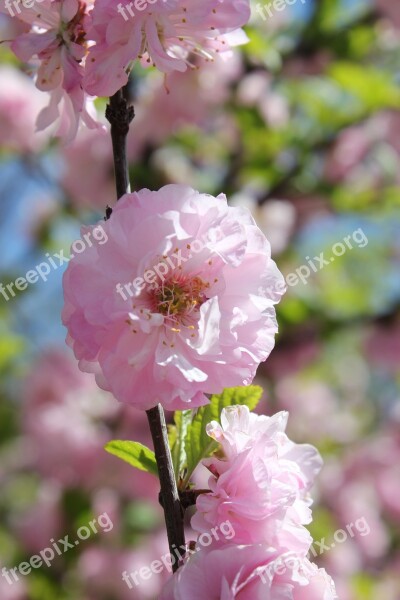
x=169, y=496
x=119, y=114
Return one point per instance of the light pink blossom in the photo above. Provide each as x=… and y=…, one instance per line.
x=88, y=175
x=62, y=421
x=20, y=101
x=248, y=573
x=56, y=42
x=166, y=33
x=203, y=324
x=261, y=485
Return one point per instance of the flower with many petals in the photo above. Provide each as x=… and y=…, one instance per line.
x=55, y=39
x=165, y=33
x=248, y=573
x=178, y=303
x=261, y=485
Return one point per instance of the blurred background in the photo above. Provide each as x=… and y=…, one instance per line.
x=301, y=126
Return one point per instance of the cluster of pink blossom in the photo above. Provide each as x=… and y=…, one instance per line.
x=178, y=303
x=86, y=48
x=54, y=38
x=66, y=421
x=261, y=487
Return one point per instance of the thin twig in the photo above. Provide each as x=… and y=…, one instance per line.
x=169, y=495
x=120, y=114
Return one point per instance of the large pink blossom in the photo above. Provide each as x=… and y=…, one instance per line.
x=178, y=302
x=165, y=33
x=254, y=572
x=55, y=39
x=261, y=485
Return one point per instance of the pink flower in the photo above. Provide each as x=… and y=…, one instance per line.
x=262, y=485
x=208, y=88
x=62, y=421
x=88, y=176
x=248, y=573
x=178, y=303
x=19, y=102
x=56, y=41
x=166, y=33
x=43, y=519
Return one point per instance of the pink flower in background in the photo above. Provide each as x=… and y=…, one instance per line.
x=262, y=484
x=42, y=519
x=364, y=488
x=14, y=591
x=67, y=420
x=178, y=303
x=88, y=176
x=20, y=102
x=56, y=42
x=248, y=573
x=208, y=88
x=165, y=33
x=63, y=421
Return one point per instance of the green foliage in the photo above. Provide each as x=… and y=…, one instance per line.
x=135, y=454
x=373, y=88
x=176, y=435
x=364, y=586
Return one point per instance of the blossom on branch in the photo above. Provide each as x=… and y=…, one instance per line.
x=261, y=485
x=167, y=34
x=239, y=572
x=54, y=39
x=178, y=303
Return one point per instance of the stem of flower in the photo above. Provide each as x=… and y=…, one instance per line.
x=169, y=495
x=120, y=114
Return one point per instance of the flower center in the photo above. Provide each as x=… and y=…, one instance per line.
x=177, y=298
x=74, y=31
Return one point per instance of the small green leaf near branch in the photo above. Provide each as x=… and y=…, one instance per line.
x=135, y=454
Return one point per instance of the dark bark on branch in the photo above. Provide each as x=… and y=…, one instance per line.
x=119, y=114
x=169, y=495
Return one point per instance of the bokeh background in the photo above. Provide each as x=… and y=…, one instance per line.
x=302, y=127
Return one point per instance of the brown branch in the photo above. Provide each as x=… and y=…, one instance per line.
x=119, y=114
x=169, y=495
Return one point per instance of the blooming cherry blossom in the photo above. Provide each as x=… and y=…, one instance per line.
x=165, y=33
x=55, y=39
x=261, y=485
x=248, y=573
x=178, y=303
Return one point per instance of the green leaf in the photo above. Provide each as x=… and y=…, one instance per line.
x=176, y=436
x=375, y=88
x=135, y=454
x=198, y=444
